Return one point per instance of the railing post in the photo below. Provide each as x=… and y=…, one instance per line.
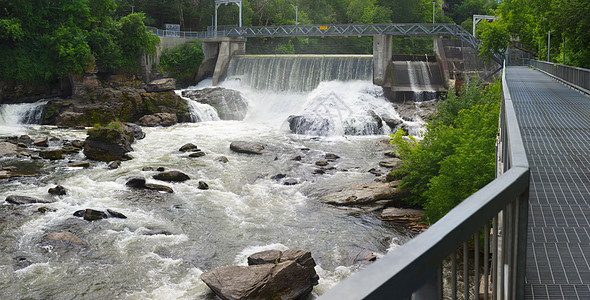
x=432, y=289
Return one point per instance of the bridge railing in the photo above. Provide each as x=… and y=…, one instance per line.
x=184, y=34
x=487, y=231
x=577, y=77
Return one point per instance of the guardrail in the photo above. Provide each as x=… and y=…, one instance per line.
x=579, y=78
x=495, y=216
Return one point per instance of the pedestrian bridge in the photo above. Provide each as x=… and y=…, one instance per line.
x=526, y=235
x=221, y=45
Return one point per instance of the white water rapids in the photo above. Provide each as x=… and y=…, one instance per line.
x=168, y=240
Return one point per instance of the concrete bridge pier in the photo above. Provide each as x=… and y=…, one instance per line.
x=382, y=53
x=218, y=53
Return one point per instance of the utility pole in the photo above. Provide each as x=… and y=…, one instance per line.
x=132, y=8
x=296, y=16
x=549, y=47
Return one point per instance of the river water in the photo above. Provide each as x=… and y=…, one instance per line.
x=168, y=240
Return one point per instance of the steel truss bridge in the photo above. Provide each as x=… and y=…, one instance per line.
x=417, y=29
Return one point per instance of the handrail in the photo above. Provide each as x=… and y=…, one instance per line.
x=415, y=269
x=578, y=78
x=413, y=29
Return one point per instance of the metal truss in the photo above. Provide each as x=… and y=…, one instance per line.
x=421, y=29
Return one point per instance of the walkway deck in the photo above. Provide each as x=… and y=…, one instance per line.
x=555, y=125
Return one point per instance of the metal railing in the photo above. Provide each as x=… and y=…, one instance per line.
x=494, y=219
x=579, y=78
x=421, y=29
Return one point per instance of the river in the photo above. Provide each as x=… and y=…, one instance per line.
x=168, y=240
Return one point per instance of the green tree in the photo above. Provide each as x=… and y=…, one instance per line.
x=182, y=62
x=454, y=157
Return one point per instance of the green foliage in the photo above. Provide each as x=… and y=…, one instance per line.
x=456, y=156
x=46, y=40
x=494, y=38
x=182, y=61
x=569, y=20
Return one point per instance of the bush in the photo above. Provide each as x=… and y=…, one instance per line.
x=456, y=157
x=183, y=61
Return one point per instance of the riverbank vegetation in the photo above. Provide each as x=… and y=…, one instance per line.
x=42, y=41
x=456, y=156
x=182, y=62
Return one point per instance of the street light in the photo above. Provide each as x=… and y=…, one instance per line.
x=433, y=11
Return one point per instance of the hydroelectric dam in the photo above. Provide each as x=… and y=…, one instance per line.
x=403, y=78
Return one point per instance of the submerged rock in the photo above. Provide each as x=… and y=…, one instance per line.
x=176, y=176
x=115, y=214
x=246, y=147
x=290, y=181
x=64, y=239
x=114, y=164
x=222, y=159
x=273, y=274
x=19, y=200
x=197, y=154
x=331, y=156
x=230, y=104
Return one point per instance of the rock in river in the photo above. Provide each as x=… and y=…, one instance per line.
x=246, y=147
x=158, y=119
x=362, y=193
x=229, y=104
x=271, y=274
x=58, y=190
x=24, y=200
x=176, y=176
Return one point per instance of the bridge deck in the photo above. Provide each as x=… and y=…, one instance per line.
x=555, y=125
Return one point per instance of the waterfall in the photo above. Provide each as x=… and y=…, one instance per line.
x=298, y=73
x=420, y=83
x=22, y=113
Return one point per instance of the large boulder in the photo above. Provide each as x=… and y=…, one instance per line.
x=362, y=193
x=246, y=147
x=108, y=143
x=159, y=119
x=161, y=85
x=230, y=104
x=270, y=275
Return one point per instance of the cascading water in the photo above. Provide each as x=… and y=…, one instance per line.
x=168, y=240
x=298, y=73
x=419, y=76
x=23, y=113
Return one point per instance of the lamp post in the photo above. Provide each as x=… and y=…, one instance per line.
x=549, y=47
x=433, y=11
